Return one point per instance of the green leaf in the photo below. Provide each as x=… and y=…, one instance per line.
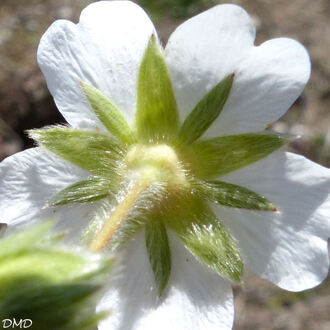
x=111, y=117
x=63, y=265
x=20, y=241
x=43, y=281
x=29, y=297
x=27, y=253
x=157, y=116
x=66, y=306
x=218, y=156
x=206, y=237
x=206, y=111
x=82, y=192
x=95, y=152
x=159, y=252
x=232, y=195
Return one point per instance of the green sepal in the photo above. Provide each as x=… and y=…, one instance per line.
x=139, y=216
x=111, y=117
x=95, y=152
x=126, y=231
x=82, y=192
x=159, y=252
x=211, y=158
x=206, y=111
x=206, y=237
x=232, y=195
x=157, y=116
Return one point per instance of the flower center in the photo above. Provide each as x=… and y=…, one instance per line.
x=157, y=163
x=148, y=164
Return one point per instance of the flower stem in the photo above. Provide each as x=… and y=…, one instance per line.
x=104, y=236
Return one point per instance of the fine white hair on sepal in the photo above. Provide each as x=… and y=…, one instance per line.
x=137, y=217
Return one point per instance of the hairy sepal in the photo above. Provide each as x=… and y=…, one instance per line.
x=206, y=111
x=138, y=216
x=232, y=195
x=159, y=251
x=206, y=237
x=157, y=116
x=96, y=152
x=111, y=117
x=212, y=158
x=84, y=191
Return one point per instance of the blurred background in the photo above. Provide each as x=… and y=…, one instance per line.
x=25, y=103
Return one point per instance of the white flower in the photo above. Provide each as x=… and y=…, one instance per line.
x=106, y=49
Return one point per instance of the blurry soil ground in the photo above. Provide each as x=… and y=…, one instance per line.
x=25, y=103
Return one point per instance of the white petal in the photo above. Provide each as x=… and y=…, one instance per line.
x=105, y=49
x=288, y=247
x=268, y=79
x=28, y=181
x=196, y=297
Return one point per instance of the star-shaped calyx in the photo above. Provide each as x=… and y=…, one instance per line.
x=160, y=174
